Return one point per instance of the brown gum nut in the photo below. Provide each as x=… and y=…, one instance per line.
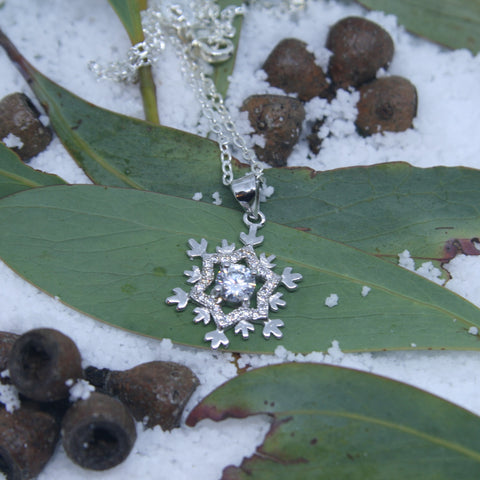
x=155, y=392
x=279, y=119
x=20, y=117
x=98, y=433
x=387, y=104
x=291, y=67
x=359, y=49
x=40, y=363
x=27, y=441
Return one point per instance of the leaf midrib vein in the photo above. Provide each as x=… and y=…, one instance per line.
x=82, y=144
x=394, y=426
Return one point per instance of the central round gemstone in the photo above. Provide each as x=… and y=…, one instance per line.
x=237, y=283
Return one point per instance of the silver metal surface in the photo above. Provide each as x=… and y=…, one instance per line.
x=213, y=304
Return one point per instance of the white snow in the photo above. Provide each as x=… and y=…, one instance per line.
x=473, y=331
x=12, y=141
x=217, y=199
x=9, y=397
x=60, y=42
x=79, y=390
x=406, y=261
x=365, y=290
x=332, y=300
x=426, y=269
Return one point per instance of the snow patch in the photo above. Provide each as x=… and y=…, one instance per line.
x=9, y=397
x=473, y=331
x=79, y=390
x=217, y=199
x=426, y=270
x=12, y=141
x=332, y=300
x=365, y=290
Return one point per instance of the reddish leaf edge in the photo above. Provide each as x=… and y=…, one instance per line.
x=457, y=246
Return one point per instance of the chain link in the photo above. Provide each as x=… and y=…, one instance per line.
x=283, y=6
x=221, y=122
x=200, y=32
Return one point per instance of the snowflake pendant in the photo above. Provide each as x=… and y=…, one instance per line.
x=235, y=288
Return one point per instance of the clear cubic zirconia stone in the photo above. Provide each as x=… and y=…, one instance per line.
x=237, y=283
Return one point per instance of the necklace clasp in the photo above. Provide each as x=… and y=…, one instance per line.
x=246, y=190
x=213, y=52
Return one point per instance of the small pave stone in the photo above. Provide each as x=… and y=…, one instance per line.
x=237, y=283
x=223, y=280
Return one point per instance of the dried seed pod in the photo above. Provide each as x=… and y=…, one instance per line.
x=19, y=117
x=27, y=441
x=155, y=392
x=279, y=119
x=359, y=49
x=386, y=104
x=98, y=433
x=291, y=67
x=40, y=363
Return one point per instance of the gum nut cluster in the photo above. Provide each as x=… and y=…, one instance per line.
x=93, y=411
x=359, y=49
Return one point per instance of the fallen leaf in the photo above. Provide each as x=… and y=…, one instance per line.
x=129, y=13
x=452, y=23
x=332, y=422
x=15, y=176
x=381, y=209
x=117, y=254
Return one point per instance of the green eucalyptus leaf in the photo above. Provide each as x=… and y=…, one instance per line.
x=382, y=209
x=15, y=176
x=332, y=422
x=115, y=149
x=129, y=13
x=452, y=23
x=117, y=254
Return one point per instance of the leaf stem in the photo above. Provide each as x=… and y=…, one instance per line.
x=149, y=95
x=23, y=66
x=128, y=11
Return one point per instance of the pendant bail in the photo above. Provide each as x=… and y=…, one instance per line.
x=246, y=190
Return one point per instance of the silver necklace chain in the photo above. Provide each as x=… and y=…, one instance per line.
x=202, y=34
x=221, y=123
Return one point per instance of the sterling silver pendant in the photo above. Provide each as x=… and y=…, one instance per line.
x=235, y=288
